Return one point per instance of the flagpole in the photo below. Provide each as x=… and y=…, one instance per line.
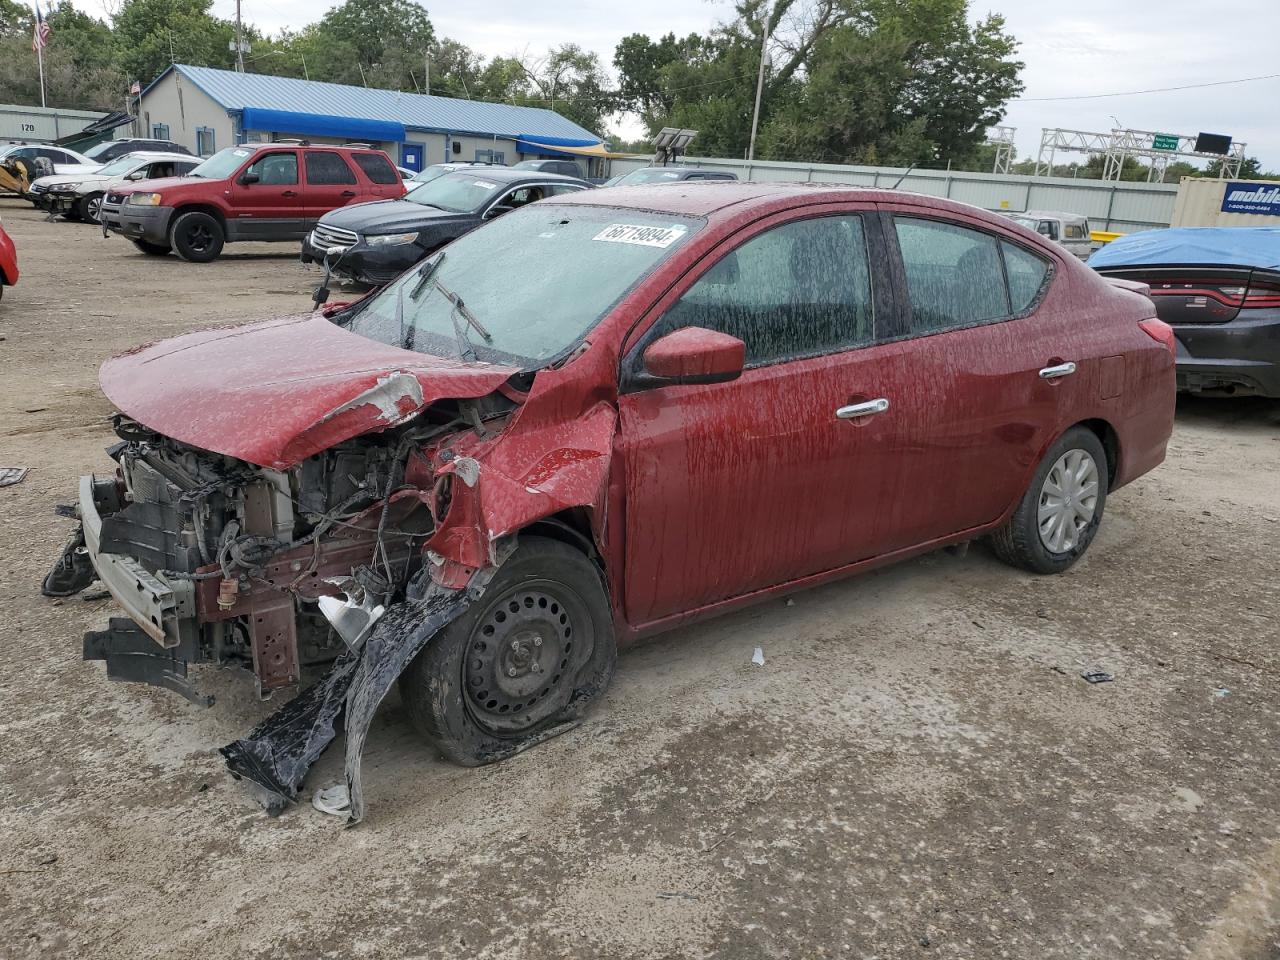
x=40, y=61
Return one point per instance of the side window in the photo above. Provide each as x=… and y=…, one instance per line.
x=1075, y=231
x=560, y=189
x=1026, y=272
x=324, y=166
x=162, y=168
x=182, y=167
x=954, y=276
x=376, y=167
x=276, y=169
x=798, y=290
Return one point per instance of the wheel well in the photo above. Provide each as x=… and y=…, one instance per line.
x=572, y=527
x=200, y=208
x=1110, y=443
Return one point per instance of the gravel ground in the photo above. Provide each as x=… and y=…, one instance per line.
x=916, y=770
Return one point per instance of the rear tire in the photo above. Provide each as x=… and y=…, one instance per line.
x=152, y=249
x=1058, y=516
x=197, y=237
x=533, y=653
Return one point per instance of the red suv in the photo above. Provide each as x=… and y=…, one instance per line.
x=269, y=191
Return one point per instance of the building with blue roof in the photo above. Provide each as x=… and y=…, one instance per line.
x=206, y=109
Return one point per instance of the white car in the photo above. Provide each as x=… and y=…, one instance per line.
x=24, y=162
x=79, y=196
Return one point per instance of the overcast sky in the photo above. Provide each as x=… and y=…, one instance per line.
x=1071, y=48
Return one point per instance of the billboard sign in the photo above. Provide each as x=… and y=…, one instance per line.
x=1164, y=141
x=1260, y=198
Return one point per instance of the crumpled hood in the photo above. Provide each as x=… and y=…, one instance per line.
x=276, y=392
x=387, y=216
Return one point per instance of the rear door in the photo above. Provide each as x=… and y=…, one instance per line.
x=271, y=207
x=381, y=179
x=982, y=372
x=331, y=183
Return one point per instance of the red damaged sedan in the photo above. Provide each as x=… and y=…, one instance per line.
x=596, y=418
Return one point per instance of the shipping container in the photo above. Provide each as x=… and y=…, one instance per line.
x=1227, y=203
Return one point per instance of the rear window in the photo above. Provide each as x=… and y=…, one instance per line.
x=325, y=166
x=376, y=167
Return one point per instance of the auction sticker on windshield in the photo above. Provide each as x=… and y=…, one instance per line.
x=483, y=183
x=644, y=236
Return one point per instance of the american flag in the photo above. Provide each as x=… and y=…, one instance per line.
x=40, y=38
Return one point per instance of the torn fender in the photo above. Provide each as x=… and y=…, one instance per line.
x=502, y=485
x=277, y=755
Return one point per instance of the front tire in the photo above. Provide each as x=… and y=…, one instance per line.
x=197, y=237
x=1058, y=516
x=533, y=653
x=89, y=209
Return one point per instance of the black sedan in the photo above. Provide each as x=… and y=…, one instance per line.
x=375, y=242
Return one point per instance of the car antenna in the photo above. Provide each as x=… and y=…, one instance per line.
x=905, y=173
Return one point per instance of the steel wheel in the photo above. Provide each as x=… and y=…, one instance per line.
x=1068, y=500
x=523, y=653
x=199, y=238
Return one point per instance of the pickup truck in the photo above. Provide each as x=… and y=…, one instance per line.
x=269, y=191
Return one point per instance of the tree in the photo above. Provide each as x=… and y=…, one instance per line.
x=151, y=34
x=378, y=43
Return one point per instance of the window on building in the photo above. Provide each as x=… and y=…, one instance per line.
x=205, y=145
x=799, y=290
x=491, y=156
x=276, y=169
x=327, y=167
x=377, y=167
x=160, y=131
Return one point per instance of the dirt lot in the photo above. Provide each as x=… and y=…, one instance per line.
x=916, y=770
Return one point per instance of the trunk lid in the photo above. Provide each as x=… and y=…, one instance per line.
x=276, y=392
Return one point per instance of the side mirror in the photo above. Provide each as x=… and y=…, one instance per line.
x=249, y=177
x=136, y=175
x=498, y=211
x=695, y=355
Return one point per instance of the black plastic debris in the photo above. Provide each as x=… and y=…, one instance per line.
x=277, y=755
x=72, y=572
x=1097, y=676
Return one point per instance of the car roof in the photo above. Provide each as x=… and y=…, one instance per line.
x=510, y=174
x=158, y=155
x=1058, y=214
x=716, y=198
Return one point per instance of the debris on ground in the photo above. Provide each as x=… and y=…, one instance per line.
x=758, y=657
x=11, y=475
x=92, y=595
x=334, y=800
x=1221, y=692
x=1097, y=676
x=1188, y=799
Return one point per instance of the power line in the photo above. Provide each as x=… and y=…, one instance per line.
x=1134, y=93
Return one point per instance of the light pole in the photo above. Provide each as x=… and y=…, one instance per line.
x=764, y=57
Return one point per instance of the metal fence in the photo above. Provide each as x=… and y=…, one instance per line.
x=1118, y=207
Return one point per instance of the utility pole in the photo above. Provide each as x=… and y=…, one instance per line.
x=755, y=115
x=239, y=41
x=426, y=62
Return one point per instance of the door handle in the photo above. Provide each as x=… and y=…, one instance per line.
x=289, y=193
x=348, y=193
x=855, y=410
x=1059, y=370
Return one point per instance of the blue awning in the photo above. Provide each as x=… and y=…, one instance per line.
x=321, y=125
x=540, y=146
x=1186, y=246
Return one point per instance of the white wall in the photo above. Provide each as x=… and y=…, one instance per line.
x=184, y=107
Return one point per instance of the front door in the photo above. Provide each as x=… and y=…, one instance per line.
x=269, y=207
x=736, y=487
x=411, y=156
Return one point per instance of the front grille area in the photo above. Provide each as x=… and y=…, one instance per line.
x=115, y=198
x=325, y=236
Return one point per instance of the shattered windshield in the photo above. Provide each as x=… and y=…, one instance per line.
x=222, y=164
x=458, y=192
x=523, y=289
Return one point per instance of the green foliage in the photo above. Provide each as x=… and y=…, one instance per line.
x=870, y=81
x=151, y=34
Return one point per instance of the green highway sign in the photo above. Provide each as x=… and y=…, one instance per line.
x=1165, y=141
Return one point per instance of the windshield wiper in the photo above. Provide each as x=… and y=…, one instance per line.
x=461, y=309
x=425, y=273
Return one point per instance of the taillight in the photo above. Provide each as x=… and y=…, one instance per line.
x=1262, y=295
x=1159, y=331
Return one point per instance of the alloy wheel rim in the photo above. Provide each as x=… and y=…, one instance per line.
x=199, y=238
x=1068, y=501
x=95, y=209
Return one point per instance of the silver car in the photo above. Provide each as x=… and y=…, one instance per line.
x=80, y=196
